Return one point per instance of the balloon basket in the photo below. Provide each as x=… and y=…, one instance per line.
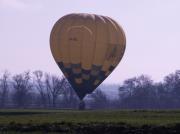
x=82, y=105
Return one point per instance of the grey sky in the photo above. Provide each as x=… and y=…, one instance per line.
x=152, y=30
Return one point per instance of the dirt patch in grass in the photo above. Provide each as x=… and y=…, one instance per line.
x=19, y=113
x=92, y=128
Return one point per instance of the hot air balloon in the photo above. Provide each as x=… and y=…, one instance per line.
x=87, y=48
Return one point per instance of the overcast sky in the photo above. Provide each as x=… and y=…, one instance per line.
x=152, y=30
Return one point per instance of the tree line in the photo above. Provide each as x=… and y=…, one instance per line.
x=42, y=90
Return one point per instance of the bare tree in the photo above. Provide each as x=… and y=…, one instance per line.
x=39, y=84
x=127, y=88
x=139, y=92
x=172, y=86
x=99, y=99
x=4, y=89
x=22, y=86
x=55, y=87
x=70, y=99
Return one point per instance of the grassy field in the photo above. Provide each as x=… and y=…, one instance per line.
x=62, y=120
x=135, y=117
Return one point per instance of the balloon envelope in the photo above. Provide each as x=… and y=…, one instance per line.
x=87, y=48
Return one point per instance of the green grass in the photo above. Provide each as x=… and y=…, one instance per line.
x=73, y=121
x=134, y=117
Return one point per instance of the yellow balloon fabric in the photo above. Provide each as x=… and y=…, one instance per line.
x=87, y=48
